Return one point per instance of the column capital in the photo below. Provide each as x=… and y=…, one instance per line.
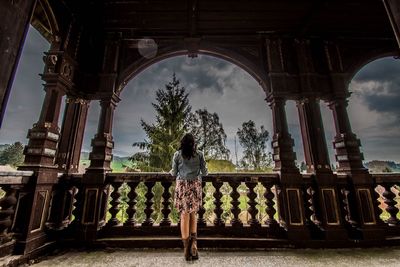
x=76, y=100
x=273, y=98
x=112, y=101
x=337, y=101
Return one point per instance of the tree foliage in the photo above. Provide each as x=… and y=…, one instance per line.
x=209, y=134
x=253, y=142
x=12, y=155
x=163, y=137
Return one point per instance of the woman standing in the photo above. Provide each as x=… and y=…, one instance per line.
x=188, y=165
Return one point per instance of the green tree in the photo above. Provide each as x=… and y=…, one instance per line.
x=163, y=137
x=387, y=169
x=12, y=155
x=254, y=144
x=209, y=133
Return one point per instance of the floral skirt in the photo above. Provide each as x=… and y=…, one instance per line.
x=188, y=195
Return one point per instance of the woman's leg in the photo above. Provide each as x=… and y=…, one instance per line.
x=185, y=220
x=193, y=235
x=193, y=222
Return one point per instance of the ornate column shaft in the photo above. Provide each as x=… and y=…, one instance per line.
x=73, y=128
x=364, y=206
x=312, y=132
x=282, y=142
x=281, y=83
x=290, y=201
x=44, y=135
x=40, y=154
x=102, y=143
x=95, y=190
x=346, y=144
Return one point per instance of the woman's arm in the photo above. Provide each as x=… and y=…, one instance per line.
x=174, y=170
x=203, y=165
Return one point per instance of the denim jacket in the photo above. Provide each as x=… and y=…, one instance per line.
x=188, y=169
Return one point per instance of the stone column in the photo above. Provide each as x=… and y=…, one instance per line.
x=362, y=203
x=290, y=200
x=39, y=157
x=282, y=142
x=95, y=190
x=102, y=143
x=40, y=154
x=346, y=144
x=73, y=129
x=312, y=131
x=14, y=23
x=327, y=199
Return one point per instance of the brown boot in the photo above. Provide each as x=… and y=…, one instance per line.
x=186, y=249
x=193, y=247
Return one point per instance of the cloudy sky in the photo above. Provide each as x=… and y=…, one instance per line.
x=220, y=87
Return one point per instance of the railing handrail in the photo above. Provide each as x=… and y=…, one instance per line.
x=15, y=177
x=386, y=177
x=220, y=176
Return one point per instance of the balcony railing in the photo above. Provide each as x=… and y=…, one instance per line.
x=235, y=205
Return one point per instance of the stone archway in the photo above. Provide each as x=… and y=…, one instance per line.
x=249, y=57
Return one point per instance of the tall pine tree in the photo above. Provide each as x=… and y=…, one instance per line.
x=163, y=137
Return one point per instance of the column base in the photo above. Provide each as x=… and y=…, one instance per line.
x=31, y=244
x=298, y=234
x=373, y=233
x=338, y=233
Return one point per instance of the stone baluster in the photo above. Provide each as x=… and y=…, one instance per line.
x=7, y=204
x=77, y=212
x=166, y=203
x=200, y=220
x=270, y=210
x=236, y=222
x=62, y=203
x=217, y=201
x=149, y=204
x=131, y=210
x=115, y=201
x=252, y=210
x=347, y=200
x=391, y=208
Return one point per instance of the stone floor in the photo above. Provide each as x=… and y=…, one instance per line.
x=280, y=257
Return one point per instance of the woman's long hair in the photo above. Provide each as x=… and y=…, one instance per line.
x=188, y=146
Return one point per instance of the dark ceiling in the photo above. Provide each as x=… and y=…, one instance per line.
x=338, y=18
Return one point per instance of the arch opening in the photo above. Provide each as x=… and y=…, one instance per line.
x=217, y=85
x=375, y=114
x=253, y=69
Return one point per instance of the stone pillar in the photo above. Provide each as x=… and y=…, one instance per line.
x=102, y=143
x=40, y=154
x=95, y=190
x=327, y=199
x=282, y=142
x=364, y=206
x=73, y=129
x=346, y=144
x=33, y=204
x=290, y=200
x=14, y=23
x=393, y=11
x=312, y=131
